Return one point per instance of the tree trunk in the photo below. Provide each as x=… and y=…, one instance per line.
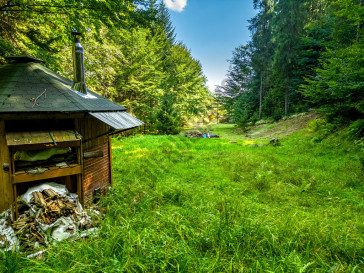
x=260, y=96
x=359, y=24
x=286, y=102
x=217, y=113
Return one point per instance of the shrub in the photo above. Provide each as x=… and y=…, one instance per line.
x=356, y=129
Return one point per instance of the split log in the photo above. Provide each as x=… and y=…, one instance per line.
x=39, y=199
x=50, y=193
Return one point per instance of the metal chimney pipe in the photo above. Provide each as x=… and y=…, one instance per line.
x=79, y=83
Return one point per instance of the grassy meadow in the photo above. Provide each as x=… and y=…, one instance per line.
x=223, y=205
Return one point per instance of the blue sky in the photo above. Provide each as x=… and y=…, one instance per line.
x=212, y=29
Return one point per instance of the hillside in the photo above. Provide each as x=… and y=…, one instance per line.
x=262, y=130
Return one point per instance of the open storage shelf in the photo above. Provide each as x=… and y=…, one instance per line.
x=28, y=141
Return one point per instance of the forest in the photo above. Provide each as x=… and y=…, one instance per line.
x=302, y=54
x=132, y=56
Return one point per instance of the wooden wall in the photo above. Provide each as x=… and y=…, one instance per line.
x=97, y=171
x=93, y=131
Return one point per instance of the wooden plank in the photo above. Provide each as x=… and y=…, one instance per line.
x=44, y=137
x=6, y=189
x=46, y=175
x=110, y=163
x=46, y=146
x=94, y=154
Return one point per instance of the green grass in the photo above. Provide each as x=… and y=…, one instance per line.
x=209, y=205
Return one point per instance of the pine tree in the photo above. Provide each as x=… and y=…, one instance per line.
x=289, y=22
x=262, y=45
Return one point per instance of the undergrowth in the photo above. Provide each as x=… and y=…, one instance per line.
x=213, y=205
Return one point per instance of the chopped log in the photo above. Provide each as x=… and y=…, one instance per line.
x=95, y=154
x=50, y=193
x=60, y=204
x=39, y=199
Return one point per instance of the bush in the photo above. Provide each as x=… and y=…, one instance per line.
x=322, y=129
x=356, y=129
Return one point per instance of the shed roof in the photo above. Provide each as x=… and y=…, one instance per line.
x=118, y=120
x=21, y=83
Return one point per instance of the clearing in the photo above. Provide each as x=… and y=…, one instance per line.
x=223, y=205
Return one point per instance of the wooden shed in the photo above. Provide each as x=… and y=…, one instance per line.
x=50, y=132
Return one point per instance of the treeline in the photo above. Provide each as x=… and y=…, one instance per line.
x=131, y=54
x=303, y=54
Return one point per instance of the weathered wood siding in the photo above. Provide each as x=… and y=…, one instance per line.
x=97, y=171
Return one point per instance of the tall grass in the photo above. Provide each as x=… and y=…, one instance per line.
x=209, y=205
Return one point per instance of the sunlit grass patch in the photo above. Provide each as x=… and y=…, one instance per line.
x=216, y=205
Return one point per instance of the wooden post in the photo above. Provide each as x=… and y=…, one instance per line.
x=80, y=177
x=15, y=205
x=2, y=172
x=110, y=162
x=6, y=188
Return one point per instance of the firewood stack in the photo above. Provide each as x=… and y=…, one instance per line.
x=27, y=232
x=46, y=215
x=53, y=206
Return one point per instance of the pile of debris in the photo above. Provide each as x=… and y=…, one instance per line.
x=48, y=213
x=198, y=134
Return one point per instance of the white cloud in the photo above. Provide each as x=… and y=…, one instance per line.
x=176, y=5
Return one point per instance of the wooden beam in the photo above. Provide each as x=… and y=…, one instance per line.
x=31, y=147
x=20, y=178
x=95, y=154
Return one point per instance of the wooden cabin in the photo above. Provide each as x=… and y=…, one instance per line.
x=50, y=132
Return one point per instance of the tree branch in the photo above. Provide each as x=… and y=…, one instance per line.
x=8, y=5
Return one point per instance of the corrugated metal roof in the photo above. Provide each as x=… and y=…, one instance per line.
x=118, y=120
x=22, y=82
